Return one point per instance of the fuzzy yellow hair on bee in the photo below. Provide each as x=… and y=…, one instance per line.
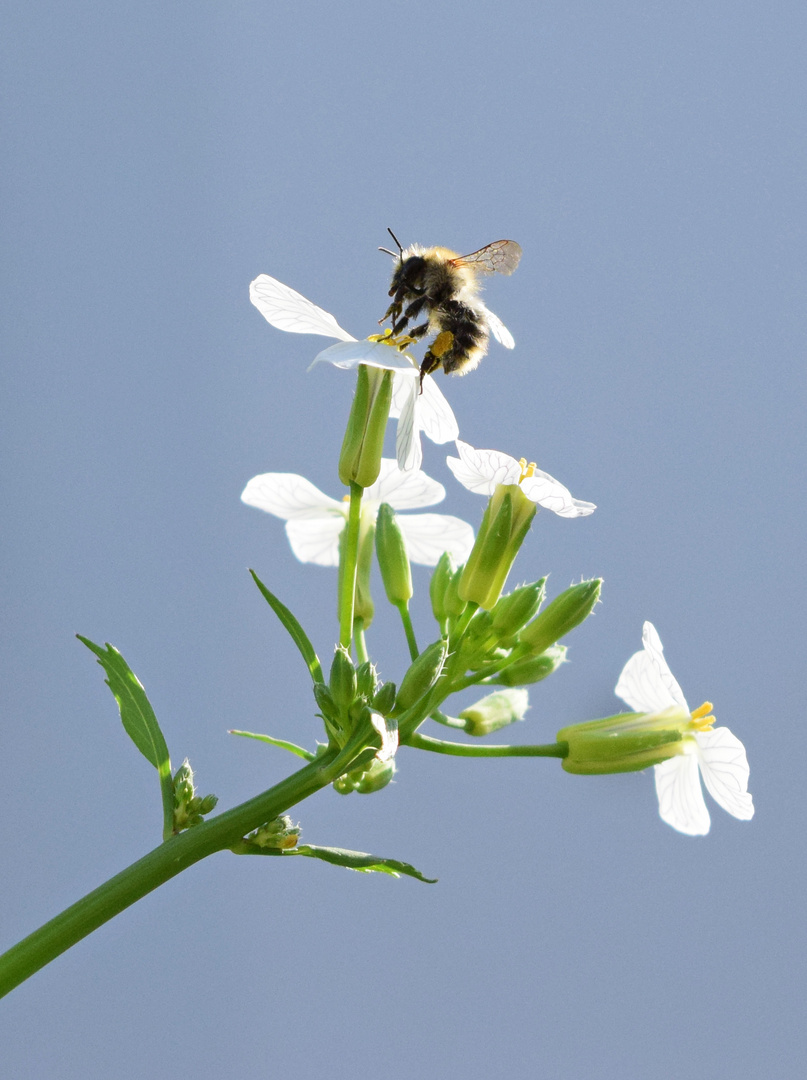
x=445, y=286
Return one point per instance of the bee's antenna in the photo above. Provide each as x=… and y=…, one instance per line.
x=398, y=244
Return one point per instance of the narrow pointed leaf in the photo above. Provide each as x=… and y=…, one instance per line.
x=298, y=635
x=354, y=860
x=293, y=748
x=139, y=721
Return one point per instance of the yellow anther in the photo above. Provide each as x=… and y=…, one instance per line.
x=702, y=720
x=386, y=338
x=527, y=470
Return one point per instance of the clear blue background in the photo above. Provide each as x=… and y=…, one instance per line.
x=650, y=158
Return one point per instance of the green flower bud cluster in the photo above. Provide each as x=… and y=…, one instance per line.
x=189, y=808
x=278, y=833
x=351, y=696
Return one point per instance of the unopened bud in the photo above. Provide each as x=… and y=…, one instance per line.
x=564, y=613
x=533, y=669
x=517, y=608
x=342, y=680
x=495, y=711
x=441, y=576
x=325, y=702
x=422, y=675
x=366, y=680
x=376, y=777
x=393, y=558
x=384, y=700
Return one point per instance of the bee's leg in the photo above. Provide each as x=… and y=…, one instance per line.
x=417, y=332
x=441, y=345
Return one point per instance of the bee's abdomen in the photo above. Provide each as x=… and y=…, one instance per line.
x=470, y=336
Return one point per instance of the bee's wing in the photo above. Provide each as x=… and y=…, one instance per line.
x=499, y=330
x=500, y=257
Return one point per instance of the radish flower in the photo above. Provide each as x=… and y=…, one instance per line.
x=428, y=411
x=314, y=520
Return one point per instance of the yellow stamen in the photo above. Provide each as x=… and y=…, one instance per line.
x=527, y=470
x=401, y=342
x=703, y=721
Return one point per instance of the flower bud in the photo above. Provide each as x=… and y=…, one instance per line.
x=278, y=833
x=360, y=458
x=342, y=680
x=422, y=675
x=454, y=604
x=624, y=743
x=533, y=668
x=376, y=777
x=384, y=700
x=517, y=608
x=505, y=524
x=366, y=680
x=564, y=613
x=393, y=559
x=441, y=576
x=495, y=711
x=325, y=702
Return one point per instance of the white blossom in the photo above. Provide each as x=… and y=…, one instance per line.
x=648, y=686
x=428, y=411
x=314, y=520
x=482, y=471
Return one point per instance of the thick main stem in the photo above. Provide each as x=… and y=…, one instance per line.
x=161, y=864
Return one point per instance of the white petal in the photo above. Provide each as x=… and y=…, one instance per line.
x=288, y=310
x=429, y=535
x=641, y=687
x=481, y=470
x=286, y=495
x=315, y=539
x=680, y=799
x=725, y=771
x=499, y=330
x=654, y=648
x=407, y=439
x=434, y=416
x=387, y=728
x=404, y=490
x=350, y=353
x=552, y=495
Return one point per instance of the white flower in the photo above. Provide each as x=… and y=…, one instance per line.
x=428, y=411
x=483, y=470
x=314, y=520
x=648, y=686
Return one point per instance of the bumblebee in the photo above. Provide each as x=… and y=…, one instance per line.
x=444, y=286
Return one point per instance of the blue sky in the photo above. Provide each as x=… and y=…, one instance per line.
x=651, y=162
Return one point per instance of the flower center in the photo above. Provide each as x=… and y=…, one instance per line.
x=701, y=718
x=527, y=470
x=400, y=343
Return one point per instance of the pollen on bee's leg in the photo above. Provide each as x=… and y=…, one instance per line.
x=442, y=343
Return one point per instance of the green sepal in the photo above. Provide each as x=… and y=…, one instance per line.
x=281, y=744
x=139, y=722
x=353, y=860
x=296, y=632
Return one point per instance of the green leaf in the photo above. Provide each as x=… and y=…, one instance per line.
x=139, y=721
x=298, y=635
x=354, y=860
x=293, y=748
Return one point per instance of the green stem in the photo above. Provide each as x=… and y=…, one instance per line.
x=406, y=619
x=347, y=599
x=360, y=642
x=163, y=863
x=441, y=746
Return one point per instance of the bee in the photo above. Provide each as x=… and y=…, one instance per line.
x=444, y=286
